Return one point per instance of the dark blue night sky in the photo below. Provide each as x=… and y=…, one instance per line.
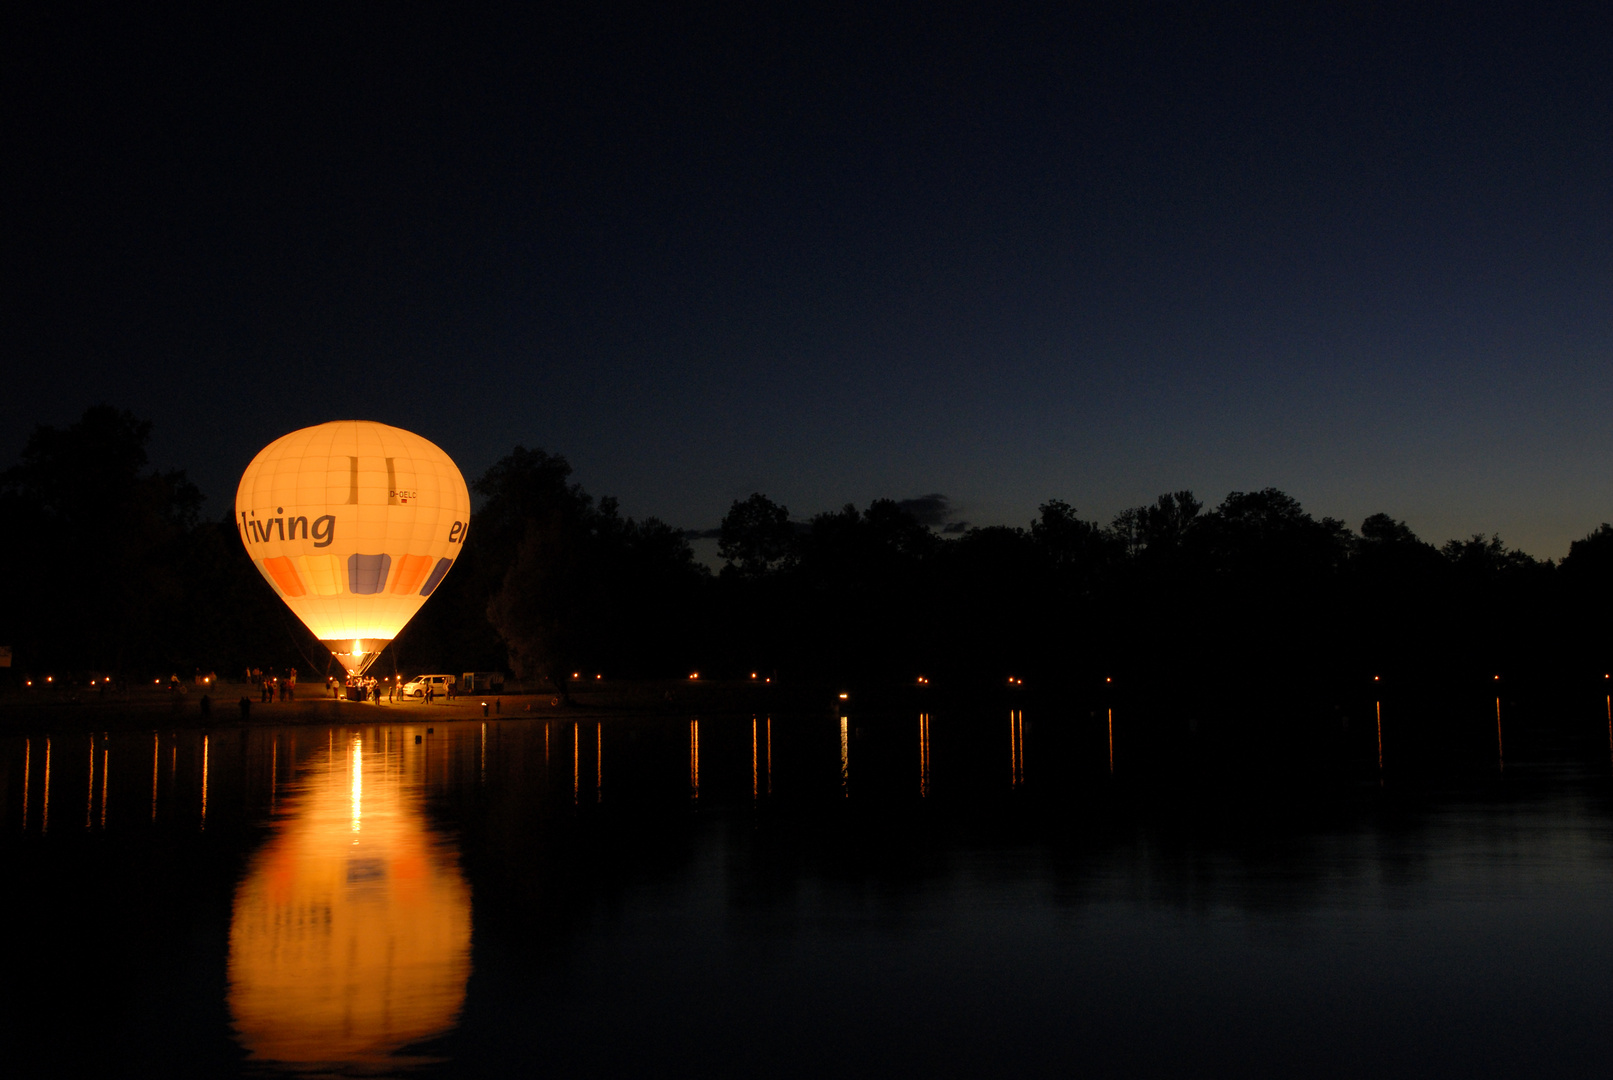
x=1360, y=253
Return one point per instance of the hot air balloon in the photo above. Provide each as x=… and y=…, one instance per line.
x=354, y=523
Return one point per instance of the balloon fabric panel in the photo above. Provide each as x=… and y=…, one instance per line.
x=412, y=569
x=437, y=574
x=323, y=574
x=285, y=576
x=366, y=574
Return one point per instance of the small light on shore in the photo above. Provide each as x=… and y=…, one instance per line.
x=843, y=697
x=694, y=674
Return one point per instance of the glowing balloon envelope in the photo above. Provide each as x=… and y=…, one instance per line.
x=354, y=523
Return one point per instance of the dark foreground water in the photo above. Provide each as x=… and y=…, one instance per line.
x=799, y=896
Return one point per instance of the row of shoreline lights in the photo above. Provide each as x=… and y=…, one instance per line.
x=695, y=675
x=207, y=680
x=1012, y=681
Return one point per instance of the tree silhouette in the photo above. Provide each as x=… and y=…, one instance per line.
x=113, y=568
x=756, y=536
x=1075, y=549
x=573, y=585
x=96, y=580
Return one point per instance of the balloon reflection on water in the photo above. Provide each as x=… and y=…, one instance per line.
x=350, y=937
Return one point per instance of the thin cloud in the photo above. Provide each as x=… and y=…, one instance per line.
x=932, y=509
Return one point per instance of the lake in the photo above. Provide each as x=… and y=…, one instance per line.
x=801, y=895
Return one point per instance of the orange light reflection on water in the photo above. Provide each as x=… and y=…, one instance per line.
x=349, y=943
x=845, y=760
x=355, y=766
x=1016, y=745
x=1500, y=751
x=694, y=760
x=924, y=755
x=1378, y=708
x=1111, y=740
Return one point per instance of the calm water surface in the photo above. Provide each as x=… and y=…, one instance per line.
x=789, y=896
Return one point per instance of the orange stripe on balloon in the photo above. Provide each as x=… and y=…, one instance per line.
x=412, y=570
x=284, y=573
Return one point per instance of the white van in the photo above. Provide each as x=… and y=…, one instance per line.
x=439, y=685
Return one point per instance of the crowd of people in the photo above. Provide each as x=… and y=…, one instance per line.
x=368, y=688
x=363, y=688
x=282, y=686
x=272, y=686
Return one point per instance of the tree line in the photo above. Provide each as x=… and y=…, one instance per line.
x=114, y=568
